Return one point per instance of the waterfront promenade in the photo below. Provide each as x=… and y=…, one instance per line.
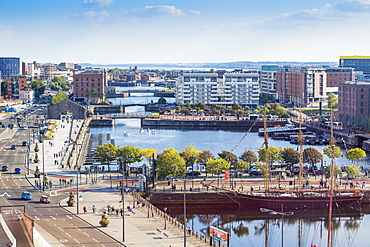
x=140, y=230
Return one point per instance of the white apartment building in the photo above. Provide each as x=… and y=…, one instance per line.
x=227, y=88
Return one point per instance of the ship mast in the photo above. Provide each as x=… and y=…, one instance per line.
x=300, y=141
x=267, y=153
x=332, y=170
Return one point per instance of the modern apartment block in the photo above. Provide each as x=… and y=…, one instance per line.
x=223, y=88
x=268, y=80
x=353, y=102
x=10, y=66
x=89, y=85
x=302, y=86
x=14, y=84
x=335, y=76
x=359, y=63
x=47, y=71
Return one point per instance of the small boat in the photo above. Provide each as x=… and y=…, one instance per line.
x=141, y=130
x=126, y=134
x=154, y=132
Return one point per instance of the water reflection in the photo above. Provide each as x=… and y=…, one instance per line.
x=256, y=228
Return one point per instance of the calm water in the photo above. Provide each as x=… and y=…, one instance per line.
x=246, y=228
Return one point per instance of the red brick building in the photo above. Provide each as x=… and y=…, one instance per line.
x=353, y=102
x=89, y=85
x=335, y=76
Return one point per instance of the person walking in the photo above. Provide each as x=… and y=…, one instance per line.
x=93, y=209
x=85, y=209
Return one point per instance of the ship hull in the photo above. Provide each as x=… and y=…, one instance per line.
x=297, y=203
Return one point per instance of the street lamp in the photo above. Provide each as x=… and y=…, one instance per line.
x=78, y=174
x=165, y=216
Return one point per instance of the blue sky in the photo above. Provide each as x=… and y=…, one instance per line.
x=181, y=31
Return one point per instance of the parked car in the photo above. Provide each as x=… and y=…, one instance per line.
x=26, y=195
x=13, y=147
x=17, y=170
x=24, y=143
x=192, y=173
x=4, y=168
x=255, y=173
x=319, y=172
x=44, y=199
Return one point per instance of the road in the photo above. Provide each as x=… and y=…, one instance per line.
x=66, y=228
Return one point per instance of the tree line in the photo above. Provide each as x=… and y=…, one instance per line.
x=173, y=163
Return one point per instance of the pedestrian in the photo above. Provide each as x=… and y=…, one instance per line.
x=85, y=209
x=93, y=209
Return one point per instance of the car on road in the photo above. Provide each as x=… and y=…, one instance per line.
x=17, y=170
x=13, y=147
x=24, y=143
x=4, y=168
x=319, y=172
x=26, y=195
x=44, y=199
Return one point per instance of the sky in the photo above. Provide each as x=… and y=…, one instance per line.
x=183, y=31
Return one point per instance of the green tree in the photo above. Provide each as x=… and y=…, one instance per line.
x=337, y=171
x=241, y=166
x=248, y=156
x=274, y=154
x=190, y=155
x=106, y=153
x=290, y=156
x=217, y=165
x=332, y=101
x=148, y=154
x=312, y=156
x=59, y=97
x=352, y=171
x=128, y=155
x=170, y=163
x=38, y=87
x=228, y=156
x=337, y=153
x=355, y=154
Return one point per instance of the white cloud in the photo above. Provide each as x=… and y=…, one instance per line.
x=194, y=12
x=96, y=14
x=172, y=10
x=100, y=2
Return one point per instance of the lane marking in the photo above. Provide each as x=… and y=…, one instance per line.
x=86, y=234
x=53, y=217
x=95, y=240
x=69, y=216
x=60, y=229
x=37, y=218
x=76, y=241
x=68, y=235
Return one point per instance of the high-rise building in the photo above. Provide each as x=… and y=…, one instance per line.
x=359, y=63
x=268, y=80
x=89, y=85
x=220, y=88
x=9, y=66
x=354, y=102
x=301, y=86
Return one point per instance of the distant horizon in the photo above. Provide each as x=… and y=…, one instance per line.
x=112, y=32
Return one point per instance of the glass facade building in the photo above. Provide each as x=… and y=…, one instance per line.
x=10, y=66
x=359, y=63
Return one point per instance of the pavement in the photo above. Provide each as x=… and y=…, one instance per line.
x=141, y=228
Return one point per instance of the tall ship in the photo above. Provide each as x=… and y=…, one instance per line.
x=299, y=198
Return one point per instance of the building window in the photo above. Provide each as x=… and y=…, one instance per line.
x=76, y=79
x=92, y=84
x=76, y=84
x=362, y=96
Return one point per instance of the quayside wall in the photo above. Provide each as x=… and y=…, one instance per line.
x=200, y=198
x=233, y=124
